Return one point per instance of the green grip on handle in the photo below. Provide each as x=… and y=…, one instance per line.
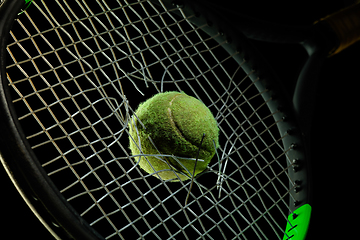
x=298, y=223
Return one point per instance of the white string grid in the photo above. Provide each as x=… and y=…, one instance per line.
x=78, y=70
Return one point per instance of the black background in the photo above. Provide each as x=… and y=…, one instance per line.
x=334, y=132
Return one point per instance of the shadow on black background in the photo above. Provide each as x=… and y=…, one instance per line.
x=334, y=139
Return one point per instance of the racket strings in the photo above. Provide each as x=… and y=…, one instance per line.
x=74, y=70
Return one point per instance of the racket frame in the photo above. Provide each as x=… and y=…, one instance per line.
x=43, y=197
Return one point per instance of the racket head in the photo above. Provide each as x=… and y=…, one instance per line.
x=38, y=182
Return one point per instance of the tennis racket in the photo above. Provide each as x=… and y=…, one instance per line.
x=72, y=74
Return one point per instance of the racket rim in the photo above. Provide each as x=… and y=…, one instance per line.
x=15, y=129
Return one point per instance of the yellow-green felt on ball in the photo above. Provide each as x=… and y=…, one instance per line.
x=176, y=123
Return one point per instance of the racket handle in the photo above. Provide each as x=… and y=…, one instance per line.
x=346, y=25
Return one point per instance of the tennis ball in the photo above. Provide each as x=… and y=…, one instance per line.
x=176, y=123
